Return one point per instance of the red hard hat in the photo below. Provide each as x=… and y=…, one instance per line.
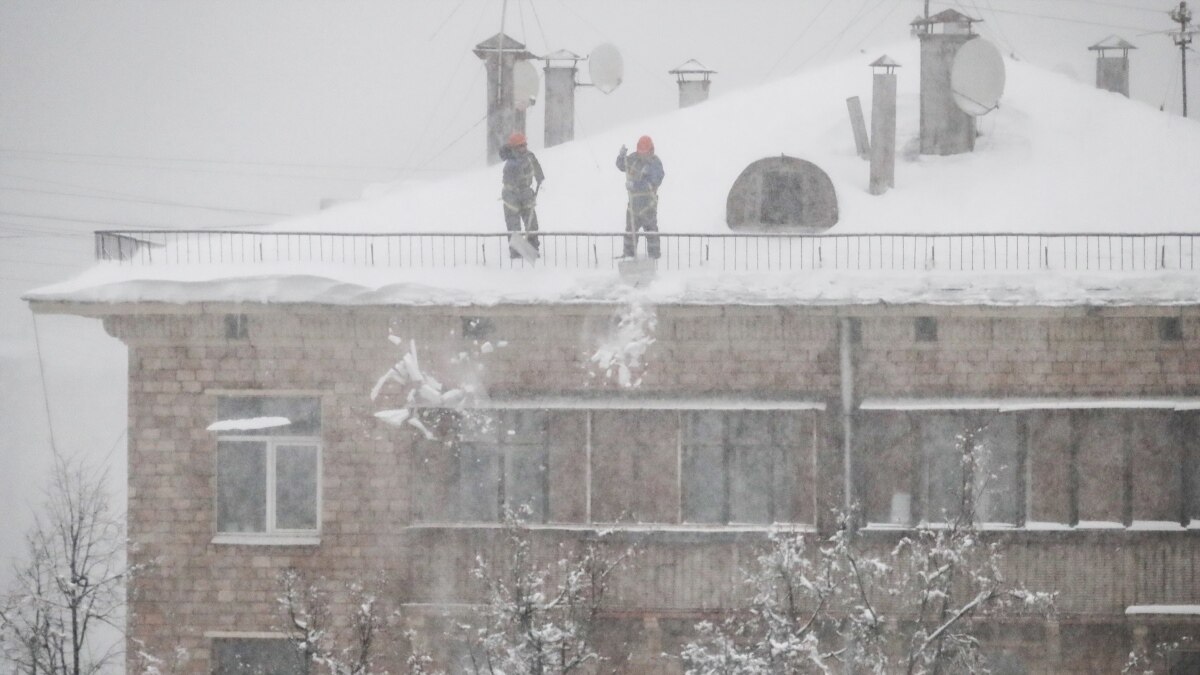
x=645, y=146
x=517, y=138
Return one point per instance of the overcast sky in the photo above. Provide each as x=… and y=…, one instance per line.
x=201, y=113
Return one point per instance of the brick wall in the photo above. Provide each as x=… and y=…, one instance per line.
x=180, y=363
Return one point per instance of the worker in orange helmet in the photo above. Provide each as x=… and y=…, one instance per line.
x=643, y=174
x=521, y=169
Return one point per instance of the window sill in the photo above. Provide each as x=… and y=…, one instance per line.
x=260, y=539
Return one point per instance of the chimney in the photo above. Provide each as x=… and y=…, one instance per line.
x=883, y=125
x=500, y=53
x=694, y=81
x=560, y=72
x=1112, y=71
x=945, y=130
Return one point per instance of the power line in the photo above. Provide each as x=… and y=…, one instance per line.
x=589, y=24
x=999, y=31
x=456, y=140
x=1064, y=19
x=837, y=36
x=796, y=41
x=198, y=160
x=538, y=19
x=446, y=20
x=415, y=149
x=45, y=393
x=131, y=164
x=1117, y=5
x=145, y=201
x=42, y=216
x=521, y=15
x=29, y=279
x=896, y=5
x=43, y=230
x=862, y=10
x=42, y=263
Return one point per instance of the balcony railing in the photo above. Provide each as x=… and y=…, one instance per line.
x=718, y=252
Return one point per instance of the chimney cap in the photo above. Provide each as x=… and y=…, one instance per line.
x=562, y=55
x=1112, y=42
x=504, y=44
x=690, y=66
x=691, y=70
x=885, y=61
x=946, y=16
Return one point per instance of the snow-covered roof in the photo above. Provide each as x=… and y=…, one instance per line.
x=1056, y=157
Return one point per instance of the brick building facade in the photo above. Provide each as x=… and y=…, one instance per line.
x=1094, y=413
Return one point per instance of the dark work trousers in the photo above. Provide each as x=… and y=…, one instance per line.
x=642, y=214
x=518, y=211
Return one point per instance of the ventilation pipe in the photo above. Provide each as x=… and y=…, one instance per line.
x=694, y=80
x=1112, y=71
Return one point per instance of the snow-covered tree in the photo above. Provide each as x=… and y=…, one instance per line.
x=347, y=647
x=144, y=662
x=844, y=604
x=71, y=584
x=1156, y=658
x=539, y=619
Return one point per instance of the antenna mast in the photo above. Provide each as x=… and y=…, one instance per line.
x=500, y=53
x=1183, y=16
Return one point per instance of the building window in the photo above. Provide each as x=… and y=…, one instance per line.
x=257, y=656
x=268, y=466
x=926, y=329
x=503, y=462
x=1170, y=329
x=1089, y=466
x=936, y=466
x=741, y=466
x=236, y=327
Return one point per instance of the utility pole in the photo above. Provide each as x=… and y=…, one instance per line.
x=1183, y=16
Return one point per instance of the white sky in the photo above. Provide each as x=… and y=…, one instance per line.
x=257, y=109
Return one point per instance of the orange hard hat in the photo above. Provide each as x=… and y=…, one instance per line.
x=517, y=138
x=645, y=146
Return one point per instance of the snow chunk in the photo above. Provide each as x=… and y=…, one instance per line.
x=249, y=424
x=394, y=417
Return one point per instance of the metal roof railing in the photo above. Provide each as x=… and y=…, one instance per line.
x=743, y=252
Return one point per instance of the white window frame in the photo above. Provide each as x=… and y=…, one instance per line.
x=271, y=535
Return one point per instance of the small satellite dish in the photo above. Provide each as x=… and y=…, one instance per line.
x=606, y=68
x=525, y=84
x=977, y=77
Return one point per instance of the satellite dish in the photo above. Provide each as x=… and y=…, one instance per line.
x=977, y=77
x=606, y=68
x=525, y=84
